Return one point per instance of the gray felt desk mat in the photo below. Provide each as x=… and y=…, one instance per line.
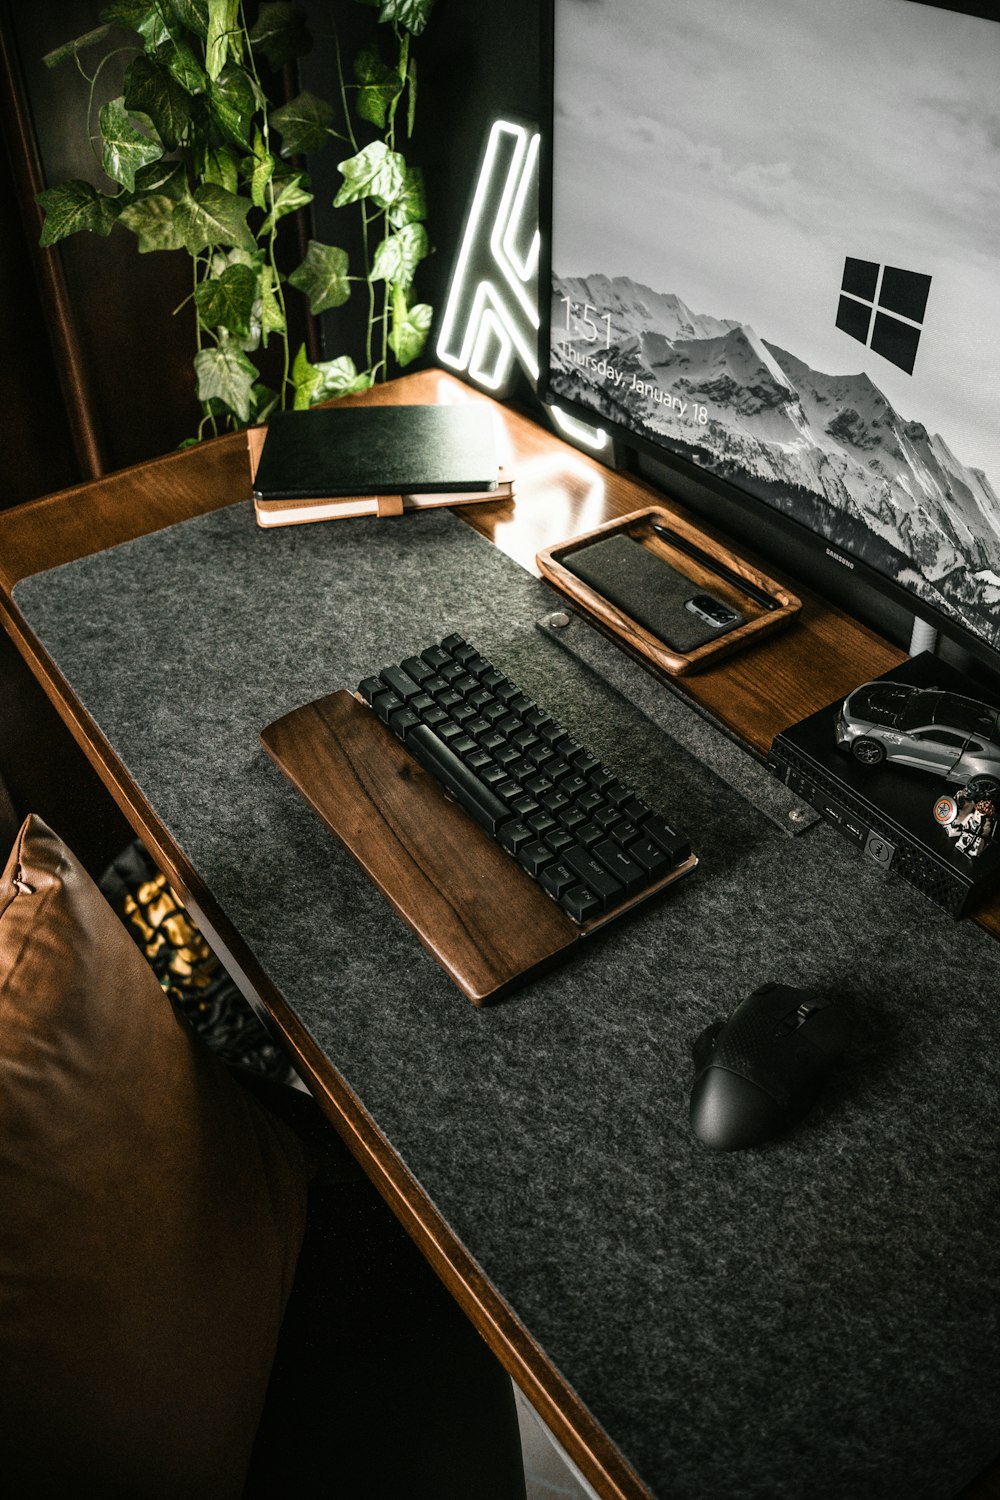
x=817, y=1318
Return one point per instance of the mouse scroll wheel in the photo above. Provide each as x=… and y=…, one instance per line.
x=794, y=1019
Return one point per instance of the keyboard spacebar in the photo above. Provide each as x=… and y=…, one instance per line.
x=454, y=775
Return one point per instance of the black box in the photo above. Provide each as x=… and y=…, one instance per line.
x=887, y=810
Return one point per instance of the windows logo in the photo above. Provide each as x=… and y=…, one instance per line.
x=883, y=307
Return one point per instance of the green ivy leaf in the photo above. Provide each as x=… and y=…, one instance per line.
x=151, y=89
x=412, y=14
x=179, y=59
x=217, y=164
x=376, y=173
x=223, y=25
x=410, y=327
x=125, y=148
x=163, y=176
x=213, y=216
x=261, y=172
x=322, y=277
x=280, y=33
x=262, y=402
x=231, y=103
x=411, y=205
x=74, y=48
x=132, y=14
x=291, y=197
x=191, y=14
x=304, y=123
x=332, y=377
x=72, y=207
x=271, y=317
x=399, y=254
x=380, y=86
x=155, y=222
x=411, y=98
x=226, y=374
x=227, y=301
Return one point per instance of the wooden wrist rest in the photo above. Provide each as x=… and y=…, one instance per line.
x=483, y=919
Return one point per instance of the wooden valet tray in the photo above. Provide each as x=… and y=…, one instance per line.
x=484, y=920
x=711, y=567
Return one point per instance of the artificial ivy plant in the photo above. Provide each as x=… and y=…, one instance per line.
x=190, y=144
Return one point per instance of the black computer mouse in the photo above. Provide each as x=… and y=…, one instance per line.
x=758, y=1073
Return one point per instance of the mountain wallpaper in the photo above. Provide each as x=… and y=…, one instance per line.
x=828, y=450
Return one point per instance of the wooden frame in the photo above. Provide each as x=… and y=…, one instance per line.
x=699, y=557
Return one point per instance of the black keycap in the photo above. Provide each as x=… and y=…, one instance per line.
x=542, y=822
x=370, y=687
x=539, y=754
x=534, y=857
x=514, y=835
x=524, y=738
x=453, y=774
x=540, y=784
x=587, y=834
x=434, y=716
x=492, y=741
x=400, y=682
x=605, y=817
x=601, y=777
x=550, y=731
x=402, y=721
x=434, y=684
x=579, y=903
x=492, y=679
x=494, y=711
x=386, y=703
x=520, y=703
x=436, y=658
x=617, y=792
x=454, y=643
x=479, y=760
x=476, y=725
x=491, y=774
x=509, y=724
x=447, y=730
x=463, y=745
x=575, y=786
x=463, y=684
x=585, y=763
x=555, y=802
x=650, y=856
x=632, y=876
x=594, y=875
x=506, y=692
x=558, y=839
x=417, y=668
x=635, y=809
x=479, y=697
x=557, y=879
x=477, y=664
x=571, y=817
x=624, y=832
x=535, y=717
x=505, y=756
x=448, y=700
x=674, y=844
x=509, y=789
x=452, y=672
x=525, y=805
x=421, y=703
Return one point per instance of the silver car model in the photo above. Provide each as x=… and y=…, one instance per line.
x=931, y=730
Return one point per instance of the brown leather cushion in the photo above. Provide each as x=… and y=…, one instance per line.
x=150, y=1213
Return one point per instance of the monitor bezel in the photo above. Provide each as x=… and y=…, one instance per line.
x=839, y=575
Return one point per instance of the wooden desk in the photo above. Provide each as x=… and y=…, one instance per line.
x=561, y=493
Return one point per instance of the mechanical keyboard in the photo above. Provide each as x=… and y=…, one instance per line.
x=591, y=843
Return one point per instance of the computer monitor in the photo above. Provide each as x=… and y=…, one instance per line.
x=773, y=241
